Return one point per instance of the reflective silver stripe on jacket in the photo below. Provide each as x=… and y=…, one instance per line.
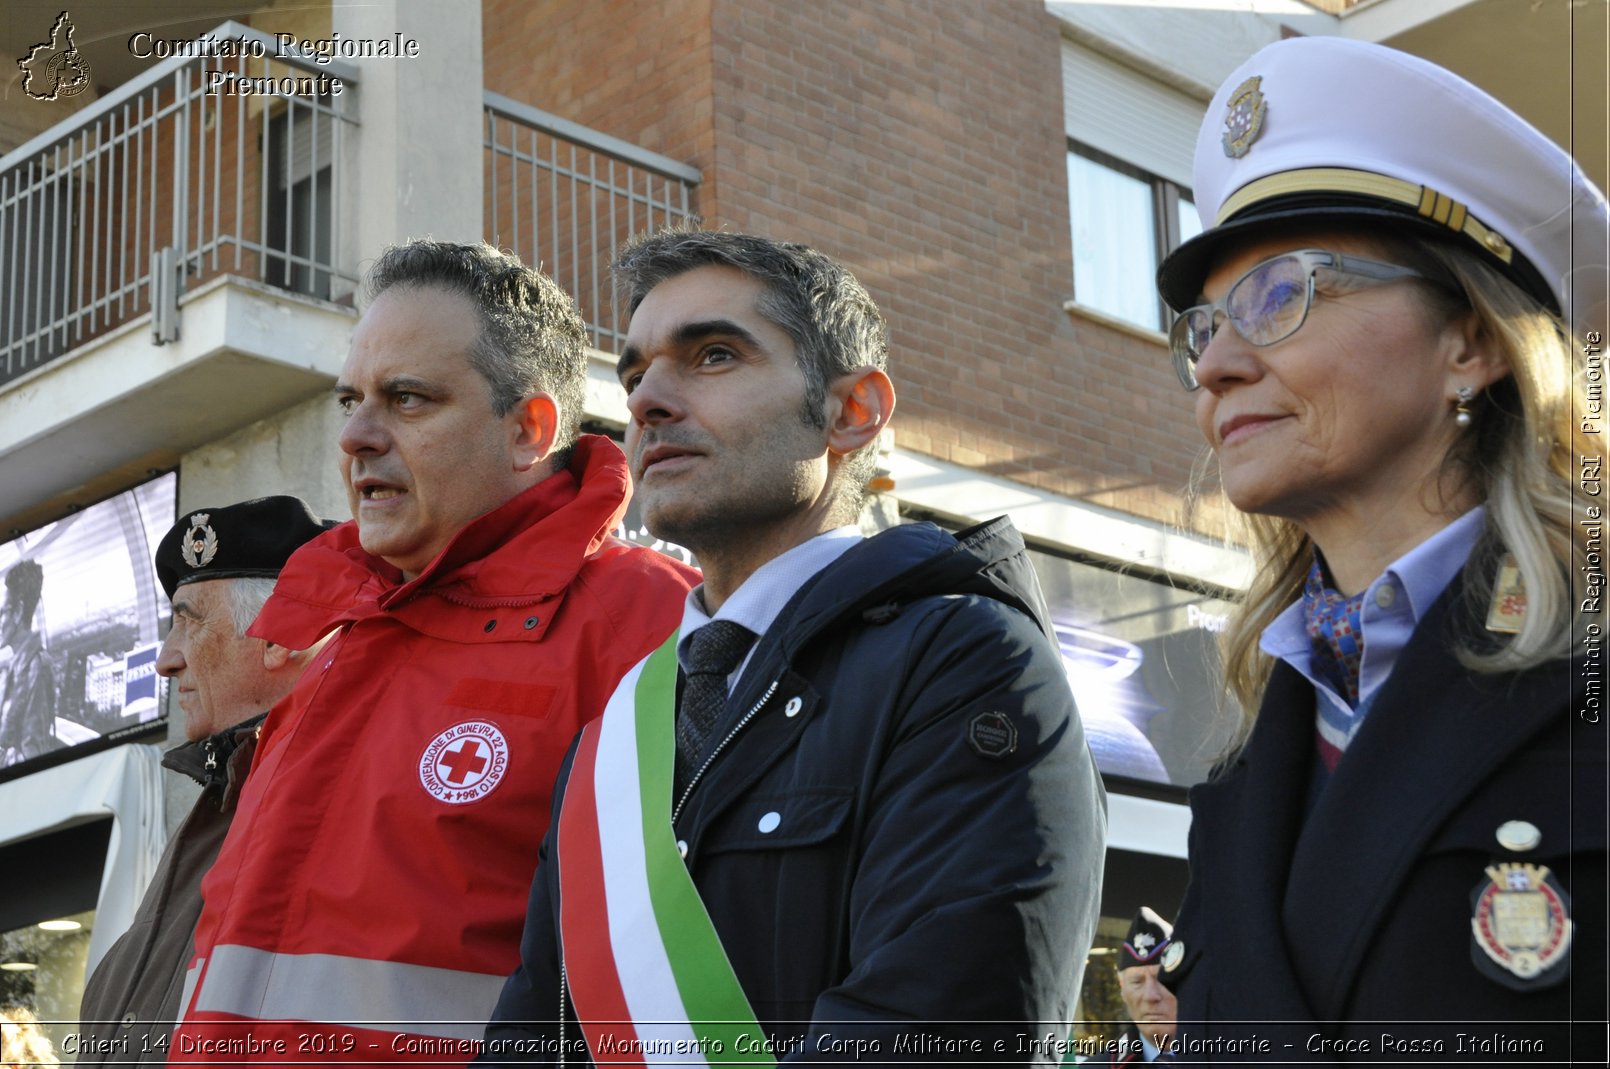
x=331, y=989
x=191, y=975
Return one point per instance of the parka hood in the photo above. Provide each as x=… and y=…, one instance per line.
x=919, y=560
x=500, y=559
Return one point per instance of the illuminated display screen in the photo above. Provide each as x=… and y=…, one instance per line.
x=1143, y=662
x=80, y=627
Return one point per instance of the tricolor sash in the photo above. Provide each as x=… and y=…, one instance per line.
x=647, y=972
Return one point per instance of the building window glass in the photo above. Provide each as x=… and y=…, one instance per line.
x=42, y=969
x=301, y=208
x=1186, y=219
x=46, y=920
x=1124, y=221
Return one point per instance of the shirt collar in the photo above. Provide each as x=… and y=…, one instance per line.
x=1423, y=573
x=756, y=603
x=1426, y=570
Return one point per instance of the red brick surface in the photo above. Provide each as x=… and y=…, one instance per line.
x=920, y=141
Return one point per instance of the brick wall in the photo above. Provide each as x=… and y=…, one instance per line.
x=638, y=71
x=921, y=142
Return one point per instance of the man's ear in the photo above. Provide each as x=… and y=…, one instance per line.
x=860, y=403
x=275, y=657
x=535, y=425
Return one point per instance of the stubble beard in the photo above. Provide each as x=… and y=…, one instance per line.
x=715, y=523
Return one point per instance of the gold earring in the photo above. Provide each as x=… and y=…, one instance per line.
x=1461, y=411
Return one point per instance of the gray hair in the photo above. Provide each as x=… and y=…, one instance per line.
x=532, y=336
x=247, y=596
x=827, y=314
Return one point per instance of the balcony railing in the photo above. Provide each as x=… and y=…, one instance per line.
x=110, y=215
x=563, y=198
x=159, y=185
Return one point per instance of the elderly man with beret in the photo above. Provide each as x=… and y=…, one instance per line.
x=218, y=567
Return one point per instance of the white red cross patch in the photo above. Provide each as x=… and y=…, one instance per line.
x=465, y=763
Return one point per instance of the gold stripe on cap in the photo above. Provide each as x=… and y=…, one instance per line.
x=1428, y=202
x=1438, y=207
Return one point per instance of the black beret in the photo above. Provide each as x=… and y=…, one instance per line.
x=1148, y=935
x=251, y=539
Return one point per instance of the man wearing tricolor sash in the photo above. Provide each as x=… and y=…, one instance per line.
x=847, y=812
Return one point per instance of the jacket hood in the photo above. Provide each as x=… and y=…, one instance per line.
x=919, y=560
x=525, y=551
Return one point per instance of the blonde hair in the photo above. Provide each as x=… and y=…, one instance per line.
x=1521, y=451
x=23, y=1040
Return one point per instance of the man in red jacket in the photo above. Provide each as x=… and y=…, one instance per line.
x=370, y=896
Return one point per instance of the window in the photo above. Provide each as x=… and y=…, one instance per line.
x=300, y=209
x=46, y=924
x=1131, y=140
x=1124, y=221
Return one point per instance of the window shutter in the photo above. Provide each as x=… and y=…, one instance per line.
x=303, y=120
x=1120, y=111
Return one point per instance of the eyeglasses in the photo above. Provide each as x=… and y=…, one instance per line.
x=1268, y=304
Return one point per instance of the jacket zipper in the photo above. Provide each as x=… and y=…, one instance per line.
x=687, y=791
x=563, y=991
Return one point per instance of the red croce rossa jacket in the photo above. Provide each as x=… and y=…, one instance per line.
x=368, y=902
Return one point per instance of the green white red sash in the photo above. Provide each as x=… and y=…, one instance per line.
x=646, y=969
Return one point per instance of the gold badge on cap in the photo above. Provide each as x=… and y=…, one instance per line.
x=1244, y=121
x=1521, y=923
x=200, y=543
x=1508, y=609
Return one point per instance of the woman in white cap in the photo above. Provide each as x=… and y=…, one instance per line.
x=1392, y=329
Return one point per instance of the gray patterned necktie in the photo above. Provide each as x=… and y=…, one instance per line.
x=713, y=652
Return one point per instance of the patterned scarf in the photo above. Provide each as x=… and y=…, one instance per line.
x=1335, y=627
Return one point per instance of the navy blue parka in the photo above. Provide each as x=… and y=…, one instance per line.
x=936, y=870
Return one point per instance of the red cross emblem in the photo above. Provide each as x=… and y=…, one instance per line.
x=468, y=759
x=465, y=762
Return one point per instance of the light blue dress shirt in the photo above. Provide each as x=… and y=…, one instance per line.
x=1393, y=606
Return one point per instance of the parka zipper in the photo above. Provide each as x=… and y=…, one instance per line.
x=563, y=992
x=739, y=726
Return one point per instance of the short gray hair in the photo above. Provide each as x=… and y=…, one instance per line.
x=247, y=596
x=532, y=336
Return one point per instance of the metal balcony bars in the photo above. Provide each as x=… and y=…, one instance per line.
x=243, y=184
x=563, y=197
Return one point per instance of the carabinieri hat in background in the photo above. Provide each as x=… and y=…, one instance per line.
x=1326, y=130
x=1149, y=935
x=253, y=538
